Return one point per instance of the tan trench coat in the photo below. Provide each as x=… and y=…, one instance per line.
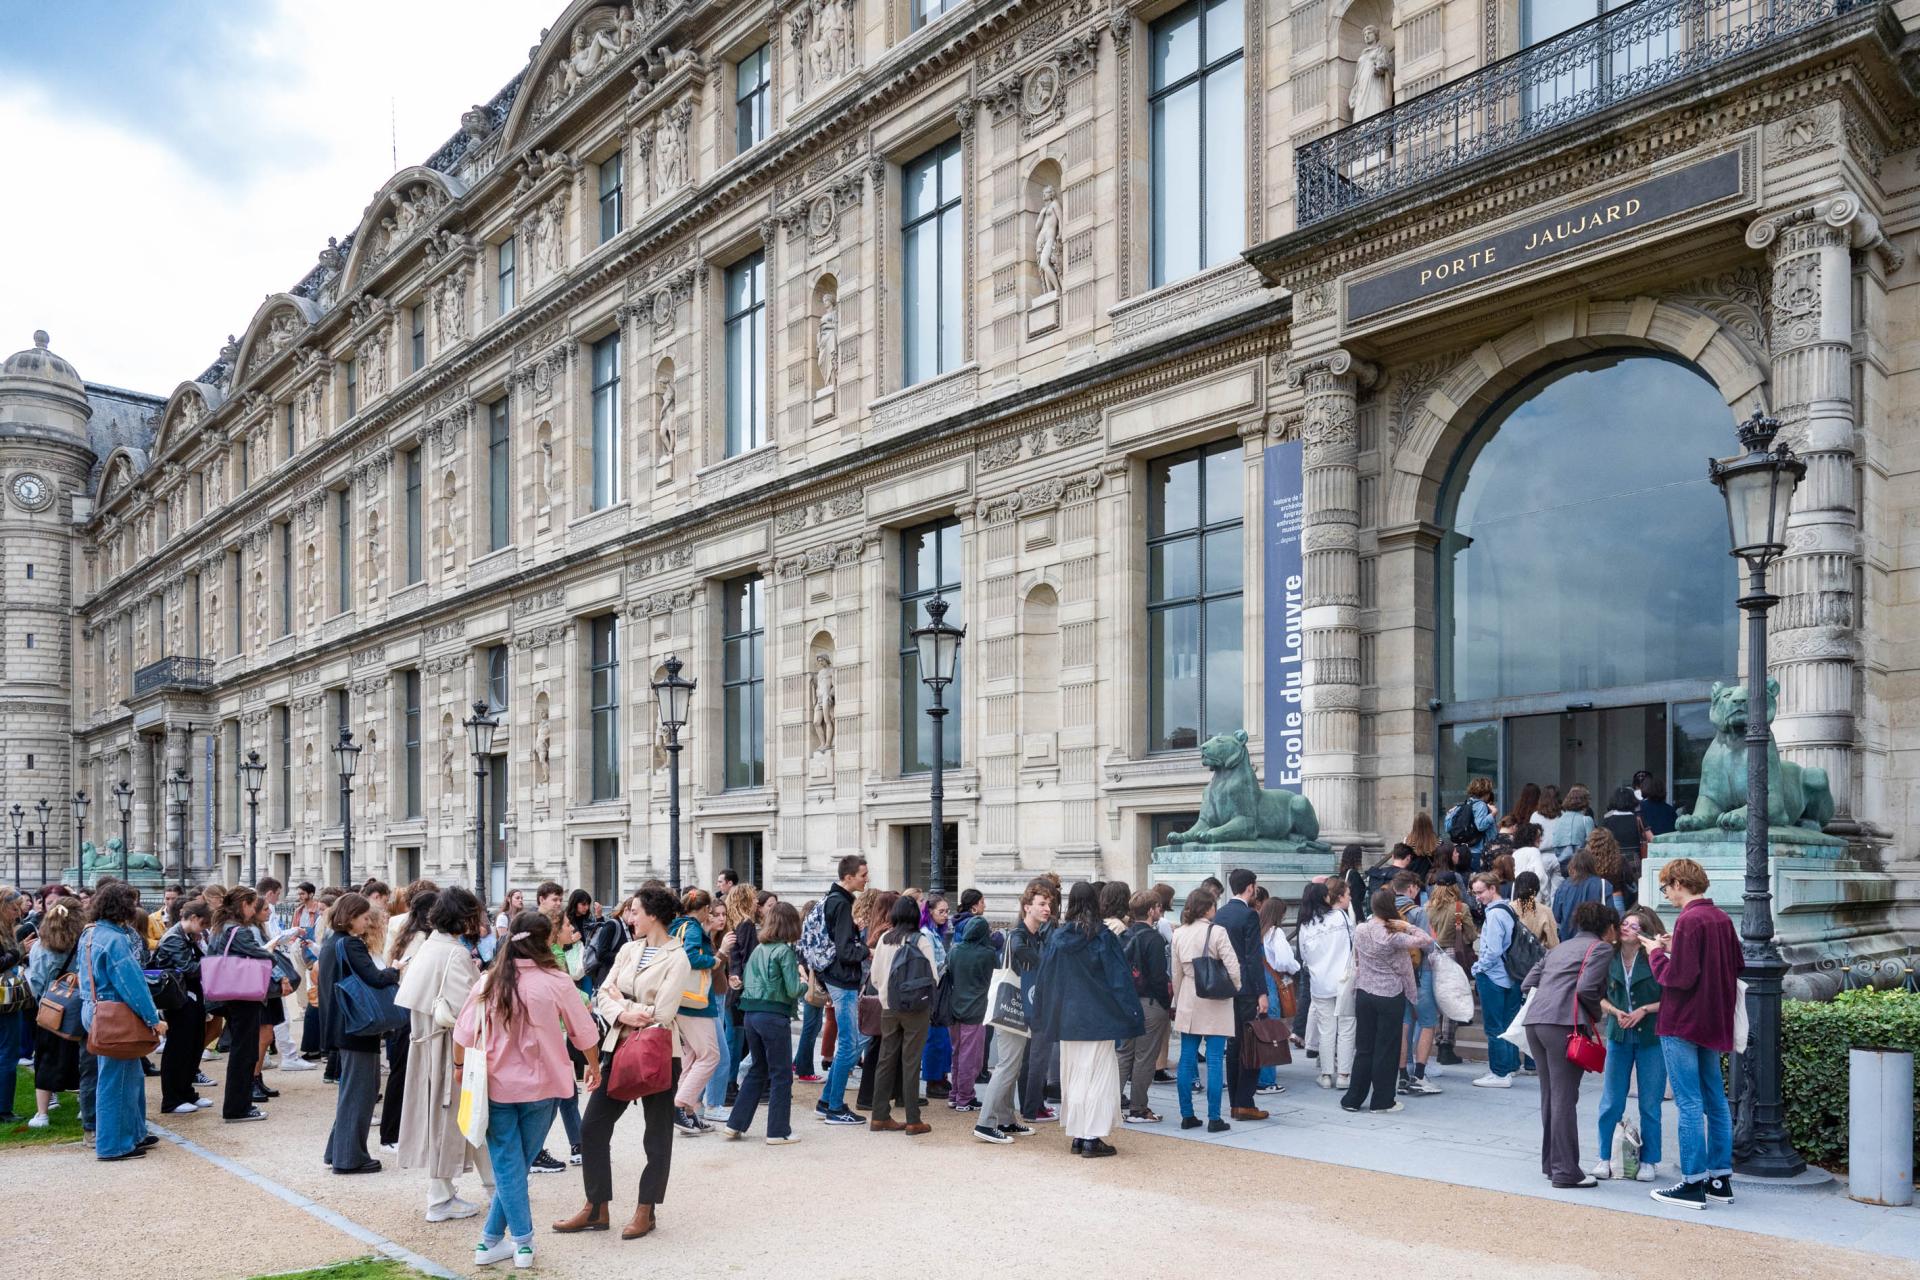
x=430, y=1136
x=1192, y=1015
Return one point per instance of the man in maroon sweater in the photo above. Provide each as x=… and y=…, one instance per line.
x=1698, y=966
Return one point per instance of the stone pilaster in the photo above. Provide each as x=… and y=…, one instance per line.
x=1813, y=646
x=1330, y=544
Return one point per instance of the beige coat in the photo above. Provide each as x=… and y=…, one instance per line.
x=1192, y=1015
x=655, y=989
x=430, y=1137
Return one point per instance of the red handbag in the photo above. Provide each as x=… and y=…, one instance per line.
x=1584, y=1049
x=642, y=1065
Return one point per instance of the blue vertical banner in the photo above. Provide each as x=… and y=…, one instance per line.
x=1285, y=586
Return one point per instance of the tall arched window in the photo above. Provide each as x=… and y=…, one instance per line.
x=1585, y=593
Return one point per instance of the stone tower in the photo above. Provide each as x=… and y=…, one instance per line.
x=45, y=460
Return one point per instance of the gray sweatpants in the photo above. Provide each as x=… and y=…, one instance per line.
x=1140, y=1055
x=997, y=1098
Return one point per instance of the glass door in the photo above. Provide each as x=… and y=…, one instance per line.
x=1602, y=747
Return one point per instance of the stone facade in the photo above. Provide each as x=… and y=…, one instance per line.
x=267, y=531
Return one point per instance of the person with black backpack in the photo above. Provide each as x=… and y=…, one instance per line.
x=904, y=979
x=1507, y=951
x=1472, y=821
x=1152, y=967
x=1086, y=1003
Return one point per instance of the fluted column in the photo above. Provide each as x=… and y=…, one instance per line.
x=1330, y=542
x=1813, y=645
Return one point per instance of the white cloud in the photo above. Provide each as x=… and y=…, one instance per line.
x=139, y=262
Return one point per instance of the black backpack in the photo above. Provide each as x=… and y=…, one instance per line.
x=1523, y=950
x=910, y=983
x=1460, y=825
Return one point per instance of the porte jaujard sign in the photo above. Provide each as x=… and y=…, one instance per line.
x=1285, y=586
x=1622, y=212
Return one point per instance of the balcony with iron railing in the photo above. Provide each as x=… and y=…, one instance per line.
x=1633, y=50
x=173, y=673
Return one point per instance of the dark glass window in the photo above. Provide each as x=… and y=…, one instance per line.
x=1196, y=109
x=504, y=274
x=612, y=197
x=410, y=716
x=606, y=422
x=1194, y=581
x=603, y=673
x=929, y=567
x=933, y=254
x=747, y=355
x=415, y=521
x=743, y=658
x=751, y=93
x=499, y=475
x=497, y=677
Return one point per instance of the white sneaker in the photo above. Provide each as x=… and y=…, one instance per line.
x=454, y=1208
x=40, y=1121
x=1435, y=1071
x=1648, y=1172
x=184, y=1109
x=298, y=1064
x=1492, y=1081
x=485, y=1255
x=1342, y=1081
x=523, y=1257
x=787, y=1141
x=202, y=1104
x=391, y=1148
x=1325, y=1082
x=1602, y=1169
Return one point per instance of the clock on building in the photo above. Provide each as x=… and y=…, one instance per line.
x=31, y=491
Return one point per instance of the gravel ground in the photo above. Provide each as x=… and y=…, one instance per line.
x=1159, y=1209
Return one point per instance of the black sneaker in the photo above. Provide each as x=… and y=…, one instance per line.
x=986, y=1134
x=202, y=1080
x=1162, y=1077
x=840, y=1116
x=544, y=1163
x=1015, y=1130
x=1688, y=1195
x=690, y=1123
x=1217, y=1125
x=1720, y=1189
x=1448, y=1058
x=574, y=1157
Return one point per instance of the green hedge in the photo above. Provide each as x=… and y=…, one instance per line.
x=1815, y=1038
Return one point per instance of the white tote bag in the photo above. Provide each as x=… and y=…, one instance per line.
x=1451, y=989
x=1006, y=1011
x=1516, y=1032
x=472, y=1115
x=1740, y=1028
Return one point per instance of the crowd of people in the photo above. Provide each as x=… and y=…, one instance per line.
x=470, y=1028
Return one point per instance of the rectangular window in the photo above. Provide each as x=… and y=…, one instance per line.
x=415, y=530
x=419, y=337
x=503, y=266
x=743, y=853
x=287, y=417
x=497, y=677
x=245, y=462
x=606, y=422
x=499, y=475
x=1195, y=558
x=934, y=262
x=195, y=641
x=918, y=853
x=353, y=387
x=603, y=675
x=410, y=734
x=925, y=11
x=343, y=549
x=1196, y=109
x=604, y=855
x=743, y=675
x=233, y=798
x=929, y=567
x=750, y=99
x=612, y=201
x=746, y=355
x=236, y=593
x=283, y=733
x=286, y=578
x=342, y=717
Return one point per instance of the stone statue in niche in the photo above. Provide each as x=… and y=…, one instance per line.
x=1046, y=242
x=826, y=343
x=663, y=414
x=373, y=552
x=551, y=248
x=829, y=37
x=823, y=700
x=449, y=782
x=543, y=746
x=451, y=309
x=1372, y=77
x=547, y=483
x=669, y=152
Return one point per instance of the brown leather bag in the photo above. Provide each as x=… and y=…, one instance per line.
x=1265, y=1044
x=117, y=1031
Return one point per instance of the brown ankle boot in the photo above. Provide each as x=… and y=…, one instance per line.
x=641, y=1225
x=592, y=1217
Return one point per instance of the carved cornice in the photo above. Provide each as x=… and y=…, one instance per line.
x=828, y=555
x=1042, y=495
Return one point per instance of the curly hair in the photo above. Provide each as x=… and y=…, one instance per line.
x=1604, y=850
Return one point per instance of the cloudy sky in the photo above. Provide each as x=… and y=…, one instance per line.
x=171, y=162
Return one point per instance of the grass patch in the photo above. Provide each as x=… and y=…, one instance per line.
x=64, y=1119
x=357, y=1269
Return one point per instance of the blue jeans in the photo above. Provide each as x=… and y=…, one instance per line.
x=9, y=1059
x=716, y=1095
x=810, y=1019
x=515, y=1131
x=1271, y=1075
x=769, y=1071
x=1622, y=1062
x=90, y=1087
x=1700, y=1096
x=120, y=1102
x=1498, y=1005
x=1216, y=1072
x=847, y=1048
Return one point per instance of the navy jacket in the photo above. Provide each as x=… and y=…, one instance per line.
x=1242, y=924
x=342, y=955
x=971, y=964
x=849, y=949
x=1084, y=988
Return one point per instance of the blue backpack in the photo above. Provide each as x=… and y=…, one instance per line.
x=816, y=943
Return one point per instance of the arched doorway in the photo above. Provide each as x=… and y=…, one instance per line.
x=1585, y=595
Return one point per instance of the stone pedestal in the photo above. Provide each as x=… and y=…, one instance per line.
x=823, y=404
x=142, y=878
x=1043, y=314
x=1829, y=910
x=1284, y=866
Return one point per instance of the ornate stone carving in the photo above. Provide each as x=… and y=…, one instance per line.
x=408, y=212
x=827, y=555
x=1037, y=96
x=821, y=700
x=1372, y=90
x=670, y=154
x=597, y=42
x=450, y=308
x=1046, y=243
x=822, y=33
x=1041, y=496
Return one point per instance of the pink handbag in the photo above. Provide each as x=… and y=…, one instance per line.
x=239, y=979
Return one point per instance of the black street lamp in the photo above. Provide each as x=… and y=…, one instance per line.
x=1758, y=487
x=939, y=645
x=346, y=755
x=180, y=784
x=123, y=797
x=673, y=693
x=80, y=803
x=480, y=729
x=19, y=816
x=252, y=770
x=43, y=808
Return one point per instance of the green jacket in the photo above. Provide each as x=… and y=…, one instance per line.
x=1621, y=994
x=772, y=983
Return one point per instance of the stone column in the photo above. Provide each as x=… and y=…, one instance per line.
x=1813, y=645
x=1330, y=542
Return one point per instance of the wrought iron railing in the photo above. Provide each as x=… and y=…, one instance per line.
x=1629, y=51
x=173, y=673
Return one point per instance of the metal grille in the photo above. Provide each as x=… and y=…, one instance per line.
x=173, y=673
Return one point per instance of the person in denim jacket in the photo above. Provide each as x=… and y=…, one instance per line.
x=110, y=959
